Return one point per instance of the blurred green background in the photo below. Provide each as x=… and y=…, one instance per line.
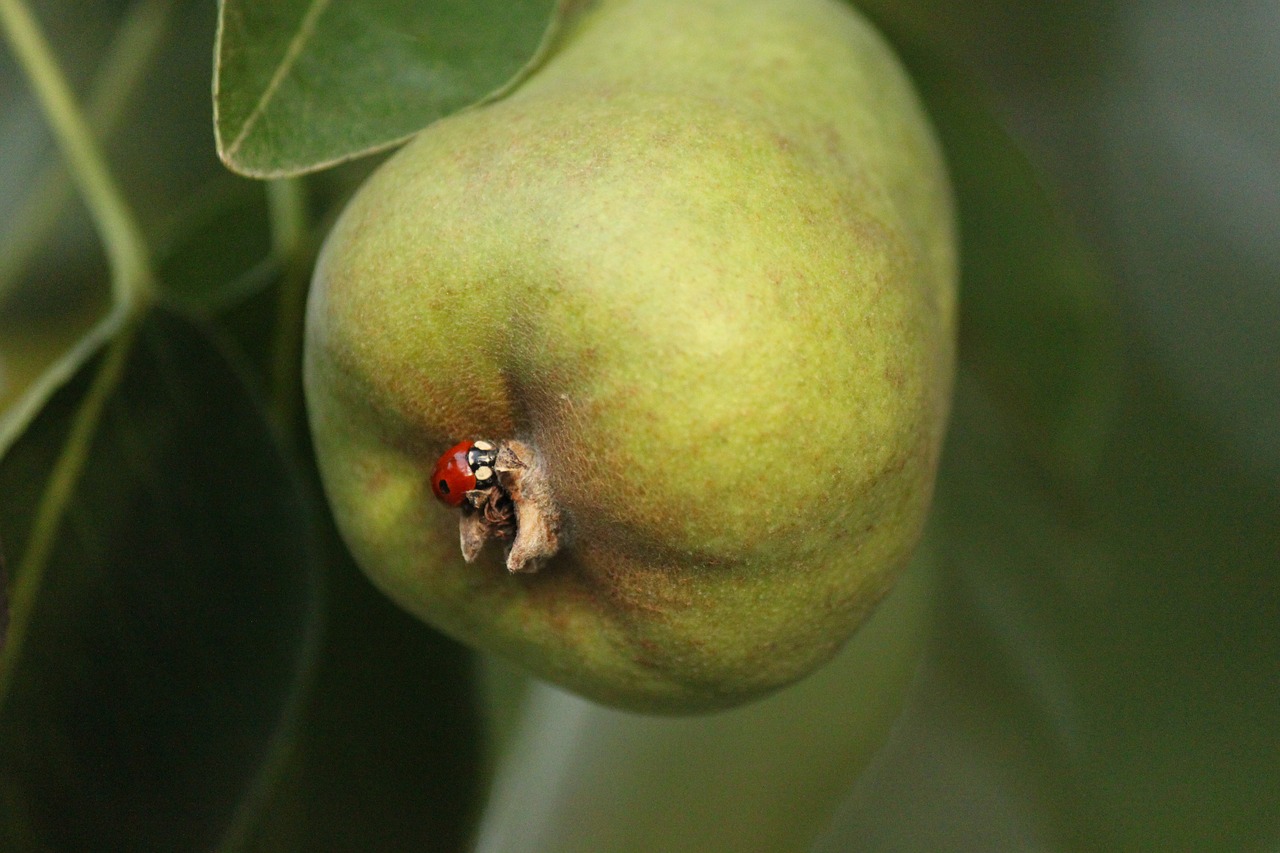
x=203, y=668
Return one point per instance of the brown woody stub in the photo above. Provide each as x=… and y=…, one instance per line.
x=519, y=509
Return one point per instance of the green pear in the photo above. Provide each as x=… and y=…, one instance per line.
x=701, y=267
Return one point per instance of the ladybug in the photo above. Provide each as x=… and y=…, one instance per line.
x=465, y=466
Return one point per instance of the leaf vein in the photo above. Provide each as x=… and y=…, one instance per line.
x=306, y=28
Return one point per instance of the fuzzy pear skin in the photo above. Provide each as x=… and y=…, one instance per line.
x=703, y=260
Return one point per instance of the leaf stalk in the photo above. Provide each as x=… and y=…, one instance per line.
x=133, y=292
x=132, y=279
x=127, y=59
x=291, y=241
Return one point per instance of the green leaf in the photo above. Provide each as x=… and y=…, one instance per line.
x=177, y=618
x=218, y=249
x=304, y=84
x=1117, y=656
x=1039, y=322
x=1008, y=39
x=43, y=362
x=53, y=287
x=386, y=755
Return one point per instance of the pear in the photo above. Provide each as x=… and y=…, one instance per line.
x=699, y=269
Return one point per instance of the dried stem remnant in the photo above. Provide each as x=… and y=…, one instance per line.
x=519, y=508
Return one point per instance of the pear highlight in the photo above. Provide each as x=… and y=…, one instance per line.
x=701, y=267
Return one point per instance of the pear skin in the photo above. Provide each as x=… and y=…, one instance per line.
x=702, y=262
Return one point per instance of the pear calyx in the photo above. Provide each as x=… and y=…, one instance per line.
x=519, y=507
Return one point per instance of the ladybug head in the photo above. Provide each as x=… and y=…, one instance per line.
x=465, y=466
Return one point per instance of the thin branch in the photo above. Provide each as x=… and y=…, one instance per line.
x=127, y=58
x=131, y=276
x=292, y=247
x=132, y=287
x=58, y=493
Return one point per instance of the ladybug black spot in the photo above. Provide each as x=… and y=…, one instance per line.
x=444, y=487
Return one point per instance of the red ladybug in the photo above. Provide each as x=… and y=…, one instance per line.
x=465, y=466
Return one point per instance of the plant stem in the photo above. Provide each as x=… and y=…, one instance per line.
x=58, y=492
x=131, y=275
x=132, y=286
x=127, y=58
x=291, y=244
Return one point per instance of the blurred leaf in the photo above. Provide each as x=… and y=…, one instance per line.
x=1177, y=668
x=52, y=280
x=54, y=298
x=1001, y=40
x=40, y=207
x=217, y=250
x=1118, y=655
x=177, y=618
x=934, y=786
x=47, y=359
x=1105, y=673
x=164, y=156
x=1039, y=322
x=4, y=601
x=1184, y=134
x=503, y=692
x=304, y=84
x=387, y=753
